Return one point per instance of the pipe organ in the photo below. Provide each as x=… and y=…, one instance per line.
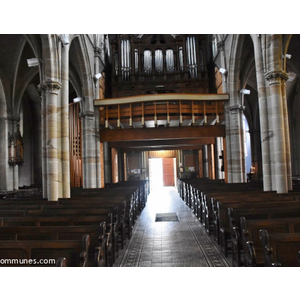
x=160, y=60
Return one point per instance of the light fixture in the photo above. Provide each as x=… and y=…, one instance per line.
x=76, y=100
x=288, y=56
x=97, y=76
x=223, y=71
x=64, y=39
x=245, y=91
x=33, y=62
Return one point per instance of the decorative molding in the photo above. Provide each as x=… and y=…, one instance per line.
x=221, y=45
x=49, y=86
x=236, y=108
x=276, y=76
x=89, y=114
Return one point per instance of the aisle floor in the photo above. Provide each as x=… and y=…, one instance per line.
x=167, y=242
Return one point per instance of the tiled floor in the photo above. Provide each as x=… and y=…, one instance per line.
x=169, y=243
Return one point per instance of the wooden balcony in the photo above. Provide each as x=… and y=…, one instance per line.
x=162, y=110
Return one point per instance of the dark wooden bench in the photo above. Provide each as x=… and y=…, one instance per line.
x=70, y=220
x=251, y=214
x=97, y=250
x=250, y=240
x=40, y=253
x=280, y=249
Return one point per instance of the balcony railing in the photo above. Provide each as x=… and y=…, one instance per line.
x=162, y=110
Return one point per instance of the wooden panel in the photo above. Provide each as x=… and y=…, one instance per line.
x=107, y=135
x=114, y=162
x=163, y=154
x=168, y=172
x=75, y=145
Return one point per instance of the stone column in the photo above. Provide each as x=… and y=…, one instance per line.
x=263, y=115
x=4, y=167
x=107, y=163
x=277, y=128
x=236, y=157
x=51, y=123
x=89, y=151
x=218, y=160
x=287, y=137
x=65, y=143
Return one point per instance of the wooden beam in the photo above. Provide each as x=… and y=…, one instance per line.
x=195, y=147
x=161, y=133
x=162, y=97
x=163, y=143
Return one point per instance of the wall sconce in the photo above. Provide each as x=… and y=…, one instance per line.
x=76, y=100
x=244, y=92
x=97, y=76
x=288, y=56
x=33, y=62
x=64, y=39
x=222, y=71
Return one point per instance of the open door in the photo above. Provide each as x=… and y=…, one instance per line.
x=168, y=171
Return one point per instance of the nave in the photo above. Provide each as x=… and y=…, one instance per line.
x=180, y=243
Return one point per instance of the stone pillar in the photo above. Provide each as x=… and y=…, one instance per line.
x=263, y=114
x=89, y=151
x=51, y=142
x=235, y=150
x=43, y=133
x=107, y=163
x=4, y=167
x=287, y=137
x=65, y=143
x=277, y=129
x=218, y=161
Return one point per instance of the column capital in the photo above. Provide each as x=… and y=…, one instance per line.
x=276, y=76
x=49, y=86
x=236, y=108
x=89, y=114
x=221, y=45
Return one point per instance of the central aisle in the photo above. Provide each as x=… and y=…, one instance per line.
x=169, y=243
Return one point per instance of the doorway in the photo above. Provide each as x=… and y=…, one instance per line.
x=162, y=172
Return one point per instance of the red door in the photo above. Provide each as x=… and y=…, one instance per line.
x=168, y=172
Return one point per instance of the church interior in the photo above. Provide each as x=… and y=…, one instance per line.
x=97, y=129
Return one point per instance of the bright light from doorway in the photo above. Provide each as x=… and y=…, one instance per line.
x=155, y=173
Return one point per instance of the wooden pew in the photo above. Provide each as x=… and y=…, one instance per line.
x=220, y=214
x=250, y=240
x=280, y=249
x=33, y=253
x=69, y=220
x=121, y=207
x=254, y=213
x=97, y=250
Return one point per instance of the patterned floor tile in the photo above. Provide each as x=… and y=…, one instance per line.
x=169, y=244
